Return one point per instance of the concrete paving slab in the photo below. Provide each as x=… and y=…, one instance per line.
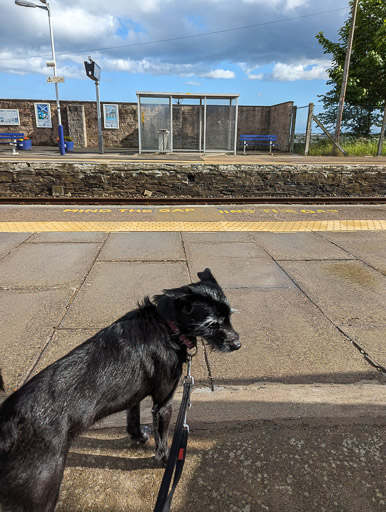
x=241, y=272
x=68, y=237
x=210, y=248
x=9, y=241
x=143, y=246
x=214, y=238
x=372, y=338
x=348, y=292
x=299, y=246
x=263, y=466
x=27, y=321
x=368, y=246
x=236, y=264
x=47, y=265
x=114, y=288
x=230, y=406
x=285, y=338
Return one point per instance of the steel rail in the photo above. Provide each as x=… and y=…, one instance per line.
x=190, y=200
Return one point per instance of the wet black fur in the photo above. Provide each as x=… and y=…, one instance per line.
x=139, y=355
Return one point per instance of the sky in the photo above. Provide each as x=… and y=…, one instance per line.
x=266, y=51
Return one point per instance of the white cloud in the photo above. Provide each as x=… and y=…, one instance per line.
x=248, y=71
x=285, y=4
x=158, y=67
x=37, y=65
x=83, y=27
x=218, y=73
x=80, y=26
x=315, y=70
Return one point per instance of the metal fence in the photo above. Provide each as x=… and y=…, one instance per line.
x=309, y=134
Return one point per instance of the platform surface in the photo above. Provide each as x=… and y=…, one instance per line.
x=50, y=153
x=294, y=420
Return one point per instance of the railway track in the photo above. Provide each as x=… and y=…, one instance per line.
x=189, y=200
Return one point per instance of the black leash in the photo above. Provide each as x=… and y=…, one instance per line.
x=177, y=454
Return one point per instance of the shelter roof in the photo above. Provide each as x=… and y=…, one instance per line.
x=213, y=96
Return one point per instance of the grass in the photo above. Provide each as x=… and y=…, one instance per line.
x=354, y=146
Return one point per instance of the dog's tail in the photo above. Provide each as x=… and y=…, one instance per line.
x=2, y=388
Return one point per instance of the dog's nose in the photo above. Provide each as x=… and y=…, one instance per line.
x=235, y=345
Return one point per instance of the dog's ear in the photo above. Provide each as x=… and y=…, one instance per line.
x=183, y=296
x=206, y=275
x=178, y=293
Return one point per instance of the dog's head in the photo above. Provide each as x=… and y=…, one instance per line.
x=201, y=309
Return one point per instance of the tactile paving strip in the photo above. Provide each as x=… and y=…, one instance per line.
x=275, y=227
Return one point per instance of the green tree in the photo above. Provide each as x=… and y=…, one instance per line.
x=366, y=86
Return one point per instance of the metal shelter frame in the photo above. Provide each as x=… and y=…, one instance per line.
x=205, y=142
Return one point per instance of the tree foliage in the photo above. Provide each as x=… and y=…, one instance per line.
x=366, y=86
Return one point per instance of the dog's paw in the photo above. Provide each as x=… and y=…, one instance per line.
x=142, y=439
x=138, y=441
x=161, y=458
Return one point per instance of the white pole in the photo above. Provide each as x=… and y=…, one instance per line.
x=60, y=127
x=200, y=123
x=171, y=125
x=204, y=125
x=236, y=122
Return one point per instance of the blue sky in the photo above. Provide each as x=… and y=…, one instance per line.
x=169, y=45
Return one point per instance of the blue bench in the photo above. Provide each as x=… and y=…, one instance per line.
x=259, y=140
x=11, y=138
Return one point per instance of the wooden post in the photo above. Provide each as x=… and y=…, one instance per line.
x=336, y=144
x=382, y=135
x=293, y=127
x=308, y=128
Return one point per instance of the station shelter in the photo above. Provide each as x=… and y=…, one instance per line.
x=169, y=122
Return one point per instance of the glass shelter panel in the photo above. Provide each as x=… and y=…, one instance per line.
x=169, y=122
x=187, y=129
x=155, y=124
x=220, y=125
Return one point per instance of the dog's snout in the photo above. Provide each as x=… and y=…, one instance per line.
x=235, y=345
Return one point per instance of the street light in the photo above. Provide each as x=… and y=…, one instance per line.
x=46, y=7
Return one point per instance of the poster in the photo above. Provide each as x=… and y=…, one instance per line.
x=9, y=116
x=111, y=116
x=43, y=115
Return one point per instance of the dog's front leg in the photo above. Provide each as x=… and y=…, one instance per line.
x=133, y=426
x=161, y=419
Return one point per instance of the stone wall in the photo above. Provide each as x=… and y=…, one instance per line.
x=79, y=121
x=36, y=179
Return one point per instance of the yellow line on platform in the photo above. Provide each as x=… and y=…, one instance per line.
x=275, y=227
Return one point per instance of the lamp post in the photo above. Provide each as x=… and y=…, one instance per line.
x=46, y=7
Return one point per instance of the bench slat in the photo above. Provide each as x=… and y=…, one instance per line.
x=11, y=135
x=258, y=137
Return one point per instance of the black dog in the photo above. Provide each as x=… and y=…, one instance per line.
x=139, y=355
